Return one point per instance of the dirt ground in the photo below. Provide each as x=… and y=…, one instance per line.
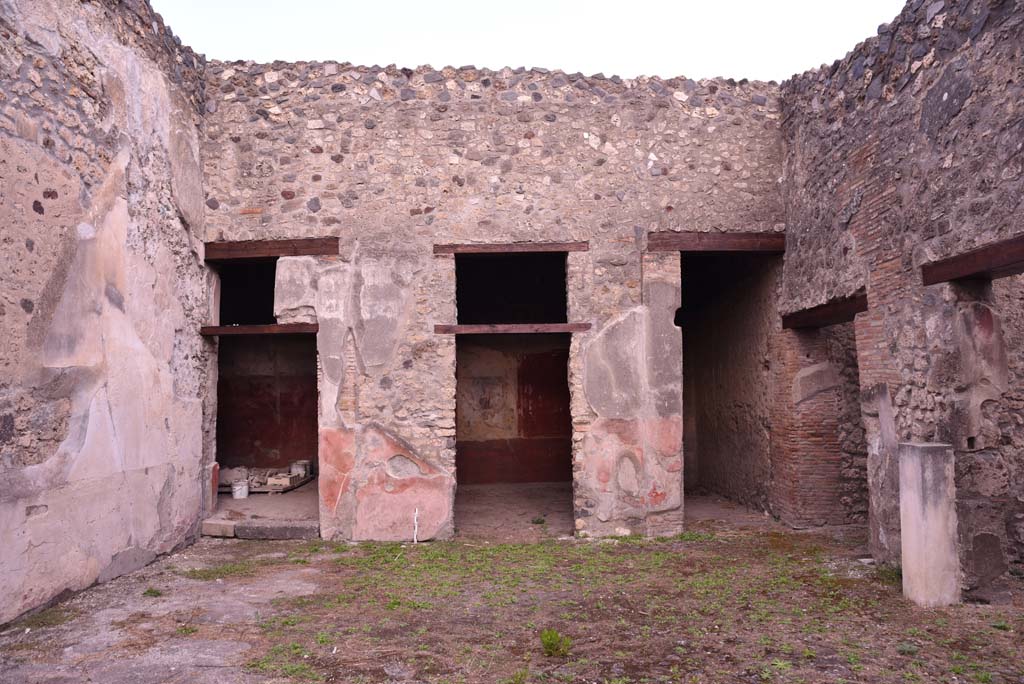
x=723, y=602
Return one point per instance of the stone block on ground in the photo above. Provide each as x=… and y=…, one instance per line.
x=278, y=529
x=213, y=527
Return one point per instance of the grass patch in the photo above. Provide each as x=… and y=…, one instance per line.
x=286, y=660
x=554, y=643
x=715, y=603
x=889, y=574
x=152, y=593
x=221, y=571
x=690, y=536
x=51, y=617
x=518, y=677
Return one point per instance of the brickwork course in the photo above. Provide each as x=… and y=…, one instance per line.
x=124, y=154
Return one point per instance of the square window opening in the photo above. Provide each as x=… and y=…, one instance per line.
x=247, y=292
x=525, y=287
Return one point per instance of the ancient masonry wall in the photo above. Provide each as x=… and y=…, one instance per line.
x=908, y=150
x=393, y=161
x=841, y=352
x=103, y=375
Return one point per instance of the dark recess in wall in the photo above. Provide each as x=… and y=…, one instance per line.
x=725, y=318
x=247, y=292
x=510, y=288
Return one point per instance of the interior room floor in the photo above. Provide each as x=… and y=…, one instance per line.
x=291, y=515
x=514, y=512
x=712, y=507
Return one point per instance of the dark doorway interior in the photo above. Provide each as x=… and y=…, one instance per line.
x=266, y=415
x=728, y=316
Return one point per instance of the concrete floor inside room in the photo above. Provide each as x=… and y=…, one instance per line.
x=288, y=515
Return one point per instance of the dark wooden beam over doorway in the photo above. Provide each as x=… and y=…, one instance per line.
x=510, y=247
x=997, y=260
x=716, y=242
x=510, y=328
x=267, y=329
x=271, y=249
x=832, y=313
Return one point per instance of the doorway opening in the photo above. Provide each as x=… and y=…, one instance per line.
x=728, y=317
x=266, y=416
x=513, y=447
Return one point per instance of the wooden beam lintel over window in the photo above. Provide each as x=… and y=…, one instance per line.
x=269, y=249
x=269, y=329
x=831, y=313
x=510, y=247
x=997, y=260
x=774, y=243
x=510, y=328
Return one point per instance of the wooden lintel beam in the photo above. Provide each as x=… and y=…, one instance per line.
x=268, y=249
x=836, y=311
x=505, y=248
x=269, y=329
x=716, y=242
x=511, y=328
x=997, y=260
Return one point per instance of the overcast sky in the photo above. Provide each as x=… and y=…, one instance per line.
x=756, y=39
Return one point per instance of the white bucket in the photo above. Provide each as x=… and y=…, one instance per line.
x=240, y=489
x=300, y=468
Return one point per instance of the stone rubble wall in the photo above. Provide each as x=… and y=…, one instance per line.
x=396, y=160
x=104, y=379
x=841, y=351
x=908, y=150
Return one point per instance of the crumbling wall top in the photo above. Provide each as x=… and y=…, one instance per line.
x=882, y=66
x=508, y=84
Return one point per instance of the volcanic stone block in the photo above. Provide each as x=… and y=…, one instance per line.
x=613, y=380
x=813, y=380
x=295, y=286
x=277, y=529
x=928, y=523
x=213, y=527
x=883, y=474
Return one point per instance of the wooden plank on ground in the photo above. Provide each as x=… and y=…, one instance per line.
x=509, y=247
x=716, y=242
x=268, y=249
x=831, y=313
x=510, y=328
x=269, y=329
x=997, y=260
